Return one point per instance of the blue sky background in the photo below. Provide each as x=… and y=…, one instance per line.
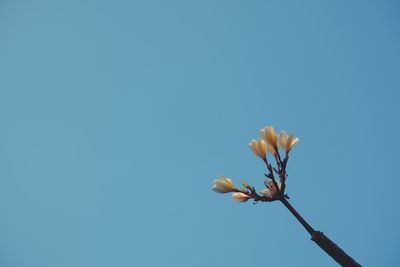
x=116, y=116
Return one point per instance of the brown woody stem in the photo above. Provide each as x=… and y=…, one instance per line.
x=303, y=222
x=323, y=241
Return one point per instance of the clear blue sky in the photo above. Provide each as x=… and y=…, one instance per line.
x=116, y=116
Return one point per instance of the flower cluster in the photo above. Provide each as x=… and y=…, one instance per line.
x=269, y=142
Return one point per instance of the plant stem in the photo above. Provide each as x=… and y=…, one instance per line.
x=323, y=241
x=303, y=222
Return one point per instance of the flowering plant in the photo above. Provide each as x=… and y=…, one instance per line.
x=274, y=189
x=275, y=185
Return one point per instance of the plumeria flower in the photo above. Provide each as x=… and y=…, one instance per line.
x=287, y=142
x=259, y=148
x=223, y=185
x=270, y=191
x=240, y=197
x=270, y=137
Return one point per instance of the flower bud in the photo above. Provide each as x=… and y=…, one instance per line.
x=269, y=136
x=223, y=185
x=271, y=190
x=287, y=142
x=259, y=148
x=240, y=197
x=245, y=184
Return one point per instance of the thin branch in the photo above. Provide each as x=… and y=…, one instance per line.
x=333, y=250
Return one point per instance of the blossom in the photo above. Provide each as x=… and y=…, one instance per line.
x=240, y=197
x=270, y=191
x=223, y=185
x=259, y=148
x=287, y=142
x=270, y=137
